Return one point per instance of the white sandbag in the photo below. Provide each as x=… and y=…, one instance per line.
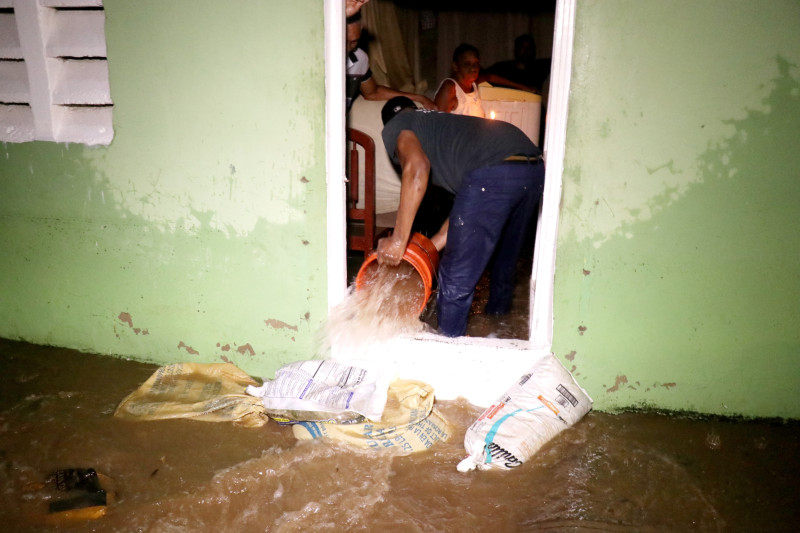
x=323, y=391
x=543, y=403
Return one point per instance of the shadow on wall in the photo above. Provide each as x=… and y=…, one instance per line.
x=760, y=133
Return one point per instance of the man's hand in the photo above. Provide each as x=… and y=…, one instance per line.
x=351, y=7
x=427, y=103
x=391, y=250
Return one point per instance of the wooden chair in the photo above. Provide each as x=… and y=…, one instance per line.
x=361, y=231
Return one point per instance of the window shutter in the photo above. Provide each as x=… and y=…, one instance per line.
x=54, y=72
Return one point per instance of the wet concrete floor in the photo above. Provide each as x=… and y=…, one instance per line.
x=610, y=472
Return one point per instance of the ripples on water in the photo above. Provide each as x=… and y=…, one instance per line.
x=628, y=472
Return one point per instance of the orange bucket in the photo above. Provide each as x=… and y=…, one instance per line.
x=420, y=254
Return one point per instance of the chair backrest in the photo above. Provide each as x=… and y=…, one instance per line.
x=361, y=220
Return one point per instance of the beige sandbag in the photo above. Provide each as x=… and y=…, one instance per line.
x=409, y=423
x=209, y=392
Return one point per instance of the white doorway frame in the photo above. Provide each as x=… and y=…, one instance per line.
x=474, y=368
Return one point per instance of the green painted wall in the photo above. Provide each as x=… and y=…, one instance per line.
x=199, y=233
x=678, y=266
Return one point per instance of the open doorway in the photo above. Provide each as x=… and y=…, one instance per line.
x=410, y=44
x=455, y=367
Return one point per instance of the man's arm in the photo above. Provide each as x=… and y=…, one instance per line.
x=494, y=79
x=440, y=239
x=372, y=91
x=415, y=168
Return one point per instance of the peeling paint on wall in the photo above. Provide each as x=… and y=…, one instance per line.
x=126, y=318
x=621, y=380
x=189, y=349
x=246, y=349
x=279, y=324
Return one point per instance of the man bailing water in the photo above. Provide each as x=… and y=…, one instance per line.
x=497, y=176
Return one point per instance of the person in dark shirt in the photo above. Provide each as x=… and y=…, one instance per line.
x=495, y=173
x=524, y=69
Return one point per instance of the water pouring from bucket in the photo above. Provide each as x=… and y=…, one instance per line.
x=411, y=281
x=384, y=302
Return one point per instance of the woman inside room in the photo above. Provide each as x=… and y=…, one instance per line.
x=459, y=94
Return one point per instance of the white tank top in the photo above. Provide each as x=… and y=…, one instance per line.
x=468, y=104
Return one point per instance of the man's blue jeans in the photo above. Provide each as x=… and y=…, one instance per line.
x=491, y=215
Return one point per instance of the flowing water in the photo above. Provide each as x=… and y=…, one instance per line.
x=387, y=304
x=514, y=325
x=624, y=472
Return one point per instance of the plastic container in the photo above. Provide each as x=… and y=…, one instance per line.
x=421, y=254
x=520, y=108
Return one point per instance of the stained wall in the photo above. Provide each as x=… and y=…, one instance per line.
x=199, y=233
x=678, y=263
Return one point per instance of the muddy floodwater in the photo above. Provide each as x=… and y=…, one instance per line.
x=610, y=472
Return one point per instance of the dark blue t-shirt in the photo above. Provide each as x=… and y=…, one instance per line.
x=458, y=144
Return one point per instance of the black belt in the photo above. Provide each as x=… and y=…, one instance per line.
x=523, y=159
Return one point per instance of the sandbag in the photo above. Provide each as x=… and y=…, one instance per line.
x=209, y=392
x=409, y=423
x=322, y=391
x=541, y=404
